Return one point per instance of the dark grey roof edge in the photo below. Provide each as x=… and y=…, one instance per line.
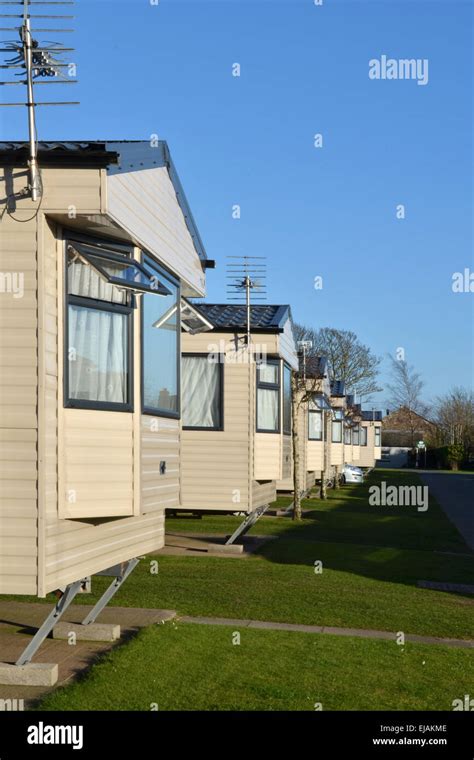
x=93, y=154
x=184, y=205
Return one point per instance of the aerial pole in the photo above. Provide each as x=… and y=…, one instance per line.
x=36, y=62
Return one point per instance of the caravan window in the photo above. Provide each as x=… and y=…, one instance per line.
x=161, y=346
x=202, y=392
x=336, y=427
x=355, y=435
x=347, y=435
x=315, y=422
x=363, y=436
x=286, y=400
x=378, y=441
x=98, y=336
x=268, y=396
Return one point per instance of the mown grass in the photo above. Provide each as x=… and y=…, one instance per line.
x=191, y=667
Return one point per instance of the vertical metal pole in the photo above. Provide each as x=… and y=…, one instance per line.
x=247, y=294
x=33, y=160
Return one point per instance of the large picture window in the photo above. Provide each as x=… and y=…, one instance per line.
x=378, y=437
x=268, y=396
x=98, y=333
x=286, y=400
x=161, y=346
x=363, y=436
x=202, y=393
x=315, y=422
x=336, y=426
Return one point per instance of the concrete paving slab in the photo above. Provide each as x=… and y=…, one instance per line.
x=331, y=630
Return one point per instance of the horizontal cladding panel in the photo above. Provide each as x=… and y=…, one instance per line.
x=80, y=549
x=92, y=489
x=267, y=452
x=160, y=442
x=79, y=188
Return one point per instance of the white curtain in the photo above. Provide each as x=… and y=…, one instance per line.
x=83, y=280
x=200, y=392
x=97, y=355
x=315, y=426
x=267, y=406
x=268, y=373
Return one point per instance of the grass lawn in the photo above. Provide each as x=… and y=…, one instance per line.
x=372, y=558
x=191, y=667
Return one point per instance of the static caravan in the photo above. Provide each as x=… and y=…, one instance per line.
x=314, y=423
x=352, y=435
x=236, y=409
x=90, y=395
x=371, y=438
x=337, y=449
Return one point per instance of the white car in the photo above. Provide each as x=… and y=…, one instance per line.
x=351, y=474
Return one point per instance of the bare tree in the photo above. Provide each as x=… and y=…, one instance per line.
x=454, y=415
x=406, y=393
x=303, y=387
x=349, y=359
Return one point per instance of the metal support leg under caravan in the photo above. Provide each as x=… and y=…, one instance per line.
x=54, y=616
x=121, y=573
x=245, y=526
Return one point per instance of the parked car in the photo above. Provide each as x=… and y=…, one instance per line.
x=351, y=474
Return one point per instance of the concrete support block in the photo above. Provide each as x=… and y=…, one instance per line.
x=226, y=548
x=33, y=674
x=91, y=632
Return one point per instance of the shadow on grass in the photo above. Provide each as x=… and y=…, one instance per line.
x=396, y=544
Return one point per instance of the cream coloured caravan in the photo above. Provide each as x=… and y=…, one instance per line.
x=371, y=438
x=314, y=424
x=236, y=415
x=90, y=358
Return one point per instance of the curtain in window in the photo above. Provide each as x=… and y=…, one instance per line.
x=316, y=426
x=200, y=392
x=97, y=355
x=268, y=373
x=336, y=431
x=363, y=436
x=84, y=281
x=267, y=404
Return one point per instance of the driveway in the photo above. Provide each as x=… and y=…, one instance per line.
x=455, y=494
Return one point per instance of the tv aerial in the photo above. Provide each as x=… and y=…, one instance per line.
x=246, y=277
x=34, y=63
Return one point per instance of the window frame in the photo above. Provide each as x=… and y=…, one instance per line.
x=340, y=421
x=220, y=429
x=377, y=434
x=364, y=434
x=284, y=430
x=310, y=437
x=356, y=432
x=347, y=434
x=149, y=410
x=113, y=257
x=68, y=237
x=276, y=361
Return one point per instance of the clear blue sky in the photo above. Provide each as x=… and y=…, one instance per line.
x=167, y=69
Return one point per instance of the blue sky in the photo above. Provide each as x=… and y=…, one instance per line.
x=248, y=140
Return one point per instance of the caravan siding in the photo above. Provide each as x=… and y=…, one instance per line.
x=18, y=396
x=144, y=203
x=268, y=456
x=215, y=473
